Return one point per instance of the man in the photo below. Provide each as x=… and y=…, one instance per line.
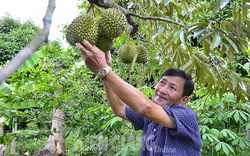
x=169, y=128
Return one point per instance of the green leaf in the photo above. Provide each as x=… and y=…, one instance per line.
x=29, y=104
x=6, y=89
x=183, y=37
x=235, y=142
x=228, y=132
x=242, y=144
x=175, y=36
x=160, y=29
x=202, y=57
x=216, y=41
x=218, y=146
x=33, y=59
x=17, y=105
x=205, y=36
x=214, y=131
x=223, y=3
x=243, y=87
x=225, y=43
x=225, y=149
x=158, y=1
x=236, y=116
x=26, y=132
x=239, y=23
x=111, y=122
x=206, y=47
x=203, y=128
x=230, y=114
x=198, y=32
x=232, y=44
x=242, y=115
x=234, y=79
x=166, y=2
x=224, y=133
x=216, y=7
x=198, y=25
x=212, y=138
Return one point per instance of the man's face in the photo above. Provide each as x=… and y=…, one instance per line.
x=169, y=90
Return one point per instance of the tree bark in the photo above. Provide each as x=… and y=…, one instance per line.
x=55, y=145
x=1, y=129
x=13, y=142
x=2, y=150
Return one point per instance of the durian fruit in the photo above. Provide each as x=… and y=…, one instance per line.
x=142, y=54
x=112, y=23
x=104, y=43
x=127, y=52
x=82, y=27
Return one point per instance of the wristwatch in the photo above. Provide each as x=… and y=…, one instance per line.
x=104, y=72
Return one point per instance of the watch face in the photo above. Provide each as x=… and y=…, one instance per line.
x=103, y=72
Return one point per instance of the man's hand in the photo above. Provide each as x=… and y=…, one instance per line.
x=108, y=58
x=94, y=58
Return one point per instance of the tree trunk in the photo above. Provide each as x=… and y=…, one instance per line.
x=1, y=129
x=2, y=150
x=55, y=145
x=13, y=142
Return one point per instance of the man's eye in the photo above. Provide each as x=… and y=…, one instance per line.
x=161, y=82
x=173, y=88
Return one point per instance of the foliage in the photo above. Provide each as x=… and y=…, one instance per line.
x=201, y=41
x=14, y=36
x=206, y=41
x=27, y=98
x=223, y=124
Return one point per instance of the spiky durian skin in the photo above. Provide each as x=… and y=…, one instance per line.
x=142, y=54
x=82, y=27
x=112, y=23
x=104, y=43
x=127, y=52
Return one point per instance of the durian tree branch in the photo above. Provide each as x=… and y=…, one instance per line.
x=33, y=46
x=156, y=19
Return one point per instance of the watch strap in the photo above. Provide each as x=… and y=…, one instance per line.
x=107, y=69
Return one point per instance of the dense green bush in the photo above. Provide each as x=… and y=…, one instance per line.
x=14, y=36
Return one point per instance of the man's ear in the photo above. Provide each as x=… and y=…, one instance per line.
x=184, y=100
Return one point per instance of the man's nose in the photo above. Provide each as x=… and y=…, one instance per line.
x=164, y=90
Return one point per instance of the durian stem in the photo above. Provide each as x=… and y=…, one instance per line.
x=137, y=39
x=132, y=68
x=97, y=8
x=128, y=38
x=90, y=7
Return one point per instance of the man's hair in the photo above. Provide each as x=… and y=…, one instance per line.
x=189, y=84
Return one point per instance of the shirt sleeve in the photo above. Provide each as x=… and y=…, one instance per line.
x=185, y=120
x=136, y=120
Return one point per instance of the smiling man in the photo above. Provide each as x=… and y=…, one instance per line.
x=169, y=128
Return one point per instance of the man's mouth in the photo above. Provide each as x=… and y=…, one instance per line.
x=161, y=96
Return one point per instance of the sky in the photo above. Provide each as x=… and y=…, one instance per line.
x=35, y=10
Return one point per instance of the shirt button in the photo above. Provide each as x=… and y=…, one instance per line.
x=151, y=149
x=154, y=130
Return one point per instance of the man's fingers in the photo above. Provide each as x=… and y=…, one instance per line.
x=85, y=49
x=88, y=45
x=108, y=57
